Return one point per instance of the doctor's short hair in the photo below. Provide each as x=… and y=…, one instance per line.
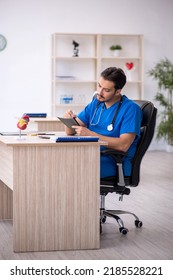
x=115, y=75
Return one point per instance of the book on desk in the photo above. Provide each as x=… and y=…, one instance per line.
x=36, y=115
x=76, y=138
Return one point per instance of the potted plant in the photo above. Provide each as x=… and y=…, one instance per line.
x=116, y=49
x=163, y=74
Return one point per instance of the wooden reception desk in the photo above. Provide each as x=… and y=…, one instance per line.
x=51, y=190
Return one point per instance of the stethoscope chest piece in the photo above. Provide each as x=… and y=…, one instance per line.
x=110, y=127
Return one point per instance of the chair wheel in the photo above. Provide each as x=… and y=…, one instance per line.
x=103, y=219
x=138, y=224
x=123, y=230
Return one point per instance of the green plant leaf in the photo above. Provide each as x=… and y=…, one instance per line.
x=163, y=74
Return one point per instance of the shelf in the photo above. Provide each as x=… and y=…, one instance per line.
x=121, y=58
x=76, y=59
x=74, y=81
x=84, y=70
x=69, y=104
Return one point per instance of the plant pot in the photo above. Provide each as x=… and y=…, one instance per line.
x=116, y=53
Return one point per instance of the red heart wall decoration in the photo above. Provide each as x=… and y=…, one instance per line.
x=129, y=65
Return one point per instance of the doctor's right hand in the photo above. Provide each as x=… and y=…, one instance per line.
x=69, y=114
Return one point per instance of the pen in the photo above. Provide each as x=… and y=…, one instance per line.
x=74, y=117
x=44, y=136
x=76, y=120
x=38, y=134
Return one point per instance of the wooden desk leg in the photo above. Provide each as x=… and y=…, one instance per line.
x=6, y=202
x=56, y=197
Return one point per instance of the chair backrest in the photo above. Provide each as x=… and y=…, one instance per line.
x=147, y=133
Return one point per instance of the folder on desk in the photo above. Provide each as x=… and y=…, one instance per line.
x=75, y=139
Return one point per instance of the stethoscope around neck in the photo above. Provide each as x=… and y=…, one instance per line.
x=111, y=125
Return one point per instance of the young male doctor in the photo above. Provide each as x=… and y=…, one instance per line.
x=113, y=117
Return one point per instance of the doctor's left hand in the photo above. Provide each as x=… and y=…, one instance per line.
x=82, y=130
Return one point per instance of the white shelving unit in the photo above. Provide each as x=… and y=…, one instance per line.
x=74, y=78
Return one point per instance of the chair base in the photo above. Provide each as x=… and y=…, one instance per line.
x=114, y=214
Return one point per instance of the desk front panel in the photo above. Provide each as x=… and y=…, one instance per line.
x=6, y=182
x=6, y=202
x=56, y=197
x=50, y=126
x=6, y=165
x=45, y=124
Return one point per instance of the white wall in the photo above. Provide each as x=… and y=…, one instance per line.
x=25, y=65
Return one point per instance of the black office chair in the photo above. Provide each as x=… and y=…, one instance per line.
x=120, y=184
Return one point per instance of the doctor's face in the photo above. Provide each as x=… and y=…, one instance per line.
x=106, y=91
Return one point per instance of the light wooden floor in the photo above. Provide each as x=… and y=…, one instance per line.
x=152, y=201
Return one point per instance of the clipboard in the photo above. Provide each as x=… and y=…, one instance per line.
x=15, y=133
x=69, y=122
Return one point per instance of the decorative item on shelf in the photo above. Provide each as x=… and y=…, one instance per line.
x=65, y=77
x=130, y=67
x=66, y=99
x=81, y=99
x=75, y=49
x=115, y=49
x=163, y=74
x=22, y=124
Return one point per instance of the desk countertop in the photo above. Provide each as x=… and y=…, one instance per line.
x=47, y=119
x=37, y=141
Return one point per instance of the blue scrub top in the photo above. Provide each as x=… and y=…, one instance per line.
x=97, y=118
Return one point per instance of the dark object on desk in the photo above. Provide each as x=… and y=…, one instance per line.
x=69, y=122
x=44, y=135
x=120, y=184
x=37, y=115
x=76, y=139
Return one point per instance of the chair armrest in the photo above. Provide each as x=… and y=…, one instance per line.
x=118, y=156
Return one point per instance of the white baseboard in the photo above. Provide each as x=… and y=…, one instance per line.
x=158, y=146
